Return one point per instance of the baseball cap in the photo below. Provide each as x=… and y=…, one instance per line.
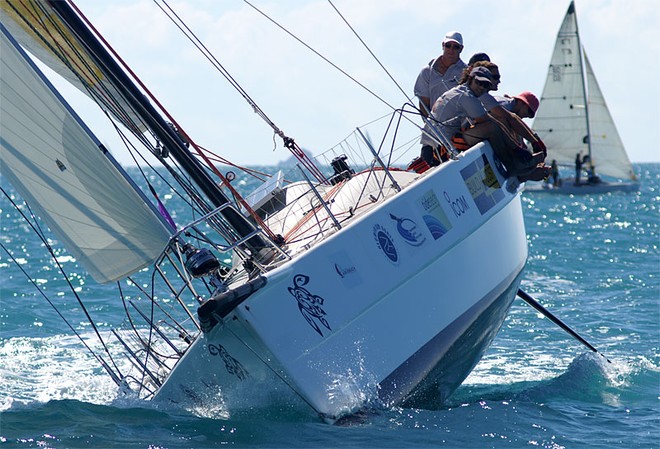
x=530, y=100
x=453, y=36
x=482, y=74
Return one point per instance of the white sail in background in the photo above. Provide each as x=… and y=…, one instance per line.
x=573, y=114
x=607, y=150
x=59, y=167
x=561, y=119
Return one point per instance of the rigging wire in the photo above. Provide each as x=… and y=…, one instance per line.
x=49, y=248
x=192, y=37
x=70, y=55
x=104, y=364
x=370, y=52
x=319, y=55
x=343, y=72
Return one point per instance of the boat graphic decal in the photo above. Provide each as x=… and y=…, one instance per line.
x=434, y=216
x=232, y=365
x=309, y=304
x=346, y=270
x=385, y=243
x=343, y=272
x=407, y=229
x=482, y=183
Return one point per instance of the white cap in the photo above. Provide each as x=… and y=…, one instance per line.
x=453, y=36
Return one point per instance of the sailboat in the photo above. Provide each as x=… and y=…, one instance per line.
x=347, y=287
x=574, y=122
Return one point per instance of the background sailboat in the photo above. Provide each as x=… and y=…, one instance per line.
x=573, y=118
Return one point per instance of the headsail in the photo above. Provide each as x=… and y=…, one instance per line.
x=572, y=112
x=39, y=30
x=63, y=171
x=607, y=150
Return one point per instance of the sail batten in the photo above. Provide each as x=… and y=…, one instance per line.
x=566, y=124
x=60, y=168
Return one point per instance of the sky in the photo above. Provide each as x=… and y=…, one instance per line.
x=318, y=106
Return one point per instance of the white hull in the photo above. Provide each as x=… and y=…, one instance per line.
x=371, y=285
x=390, y=303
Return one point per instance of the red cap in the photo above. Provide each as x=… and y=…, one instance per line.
x=530, y=100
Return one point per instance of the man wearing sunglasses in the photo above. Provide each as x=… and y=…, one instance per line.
x=459, y=112
x=435, y=78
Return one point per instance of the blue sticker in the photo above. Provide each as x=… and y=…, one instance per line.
x=435, y=226
x=407, y=229
x=385, y=243
x=482, y=183
x=434, y=215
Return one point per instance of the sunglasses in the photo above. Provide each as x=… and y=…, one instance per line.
x=485, y=84
x=453, y=46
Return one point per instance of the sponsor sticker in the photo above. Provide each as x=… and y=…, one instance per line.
x=482, y=183
x=346, y=270
x=434, y=215
x=386, y=243
x=407, y=229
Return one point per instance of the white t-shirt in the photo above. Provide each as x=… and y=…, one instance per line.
x=454, y=107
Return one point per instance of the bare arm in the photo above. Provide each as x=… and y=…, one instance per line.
x=516, y=123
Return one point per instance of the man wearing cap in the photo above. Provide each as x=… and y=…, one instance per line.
x=461, y=104
x=435, y=78
x=511, y=111
x=460, y=111
x=440, y=74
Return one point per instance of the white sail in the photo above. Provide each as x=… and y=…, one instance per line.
x=61, y=169
x=607, y=150
x=39, y=30
x=573, y=114
x=561, y=119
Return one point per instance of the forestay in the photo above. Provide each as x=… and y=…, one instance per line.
x=64, y=172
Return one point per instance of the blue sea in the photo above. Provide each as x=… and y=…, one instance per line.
x=594, y=262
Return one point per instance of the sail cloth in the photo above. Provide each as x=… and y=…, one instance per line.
x=607, y=150
x=561, y=120
x=61, y=169
x=39, y=30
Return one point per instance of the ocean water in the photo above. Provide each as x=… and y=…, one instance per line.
x=594, y=262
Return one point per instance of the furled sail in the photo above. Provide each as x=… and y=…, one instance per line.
x=62, y=170
x=41, y=32
x=572, y=117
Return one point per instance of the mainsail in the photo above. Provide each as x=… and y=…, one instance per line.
x=573, y=117
x=62, y=170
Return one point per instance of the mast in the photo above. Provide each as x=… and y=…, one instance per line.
x=167, y=136
x=583, y=77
